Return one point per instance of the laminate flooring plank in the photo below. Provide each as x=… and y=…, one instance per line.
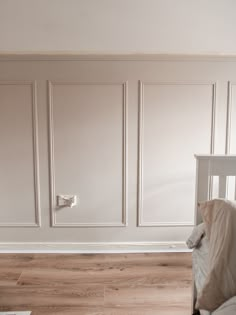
x=106, y=311
x=154, y=310
x=60, y=310
x=9, y=277
x=87, y=261
x=127, y=275
x=39, y=296
x=147, y=295
x=15, y=261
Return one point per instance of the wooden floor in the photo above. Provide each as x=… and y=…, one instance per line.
x=114, y=284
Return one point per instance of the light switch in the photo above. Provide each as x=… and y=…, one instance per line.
x=66, y=200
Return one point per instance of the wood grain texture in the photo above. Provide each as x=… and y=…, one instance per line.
x=8, y=276
x=153, y=310
x=77, y=295
x=51, y=310
x=125, y=275
x=115, y=284
x=146, y=295
x=77, y=261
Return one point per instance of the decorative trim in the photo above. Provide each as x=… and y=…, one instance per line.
x=140, y=222
x=37, y=222
x=214, y=156
x=111, y=56
x=229, y=116
x=165, y=224
x=91, y=248
x=213, y=116
x=140, y=154
x=36, y=156
x=52, y=194
x=124, y=154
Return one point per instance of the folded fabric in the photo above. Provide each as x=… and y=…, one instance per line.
x=194, y=239
x=219, y=216
x=228, y=308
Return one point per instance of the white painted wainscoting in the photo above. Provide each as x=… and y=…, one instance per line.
x=120, y=133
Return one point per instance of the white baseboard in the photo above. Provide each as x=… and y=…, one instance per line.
x=101, y=247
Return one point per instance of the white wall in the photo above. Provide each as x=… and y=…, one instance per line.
x=118, y=26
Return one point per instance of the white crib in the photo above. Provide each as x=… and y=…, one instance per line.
x=215, y=178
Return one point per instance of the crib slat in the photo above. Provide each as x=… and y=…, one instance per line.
x=222, y=186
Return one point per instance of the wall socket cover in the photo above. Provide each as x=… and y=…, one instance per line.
x=66, y=200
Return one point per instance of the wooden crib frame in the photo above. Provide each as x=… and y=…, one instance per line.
x=207, y=168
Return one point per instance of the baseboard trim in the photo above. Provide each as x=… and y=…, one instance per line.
x=110, y=56
x=92, y=248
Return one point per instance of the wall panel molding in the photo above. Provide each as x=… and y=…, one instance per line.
x=230, y=86
x=34, y=107
x=142, y=84
x=52, y=174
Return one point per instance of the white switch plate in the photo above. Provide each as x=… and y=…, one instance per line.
x=66, y=200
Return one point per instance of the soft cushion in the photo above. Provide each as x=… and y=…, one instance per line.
x=228, y=308
x=195, y=238
x=219, y=217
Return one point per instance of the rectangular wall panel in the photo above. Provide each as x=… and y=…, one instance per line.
x=88, y=152
x=19, y=178
x=176, y=121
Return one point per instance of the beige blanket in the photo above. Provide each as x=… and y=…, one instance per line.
x=219, y=217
